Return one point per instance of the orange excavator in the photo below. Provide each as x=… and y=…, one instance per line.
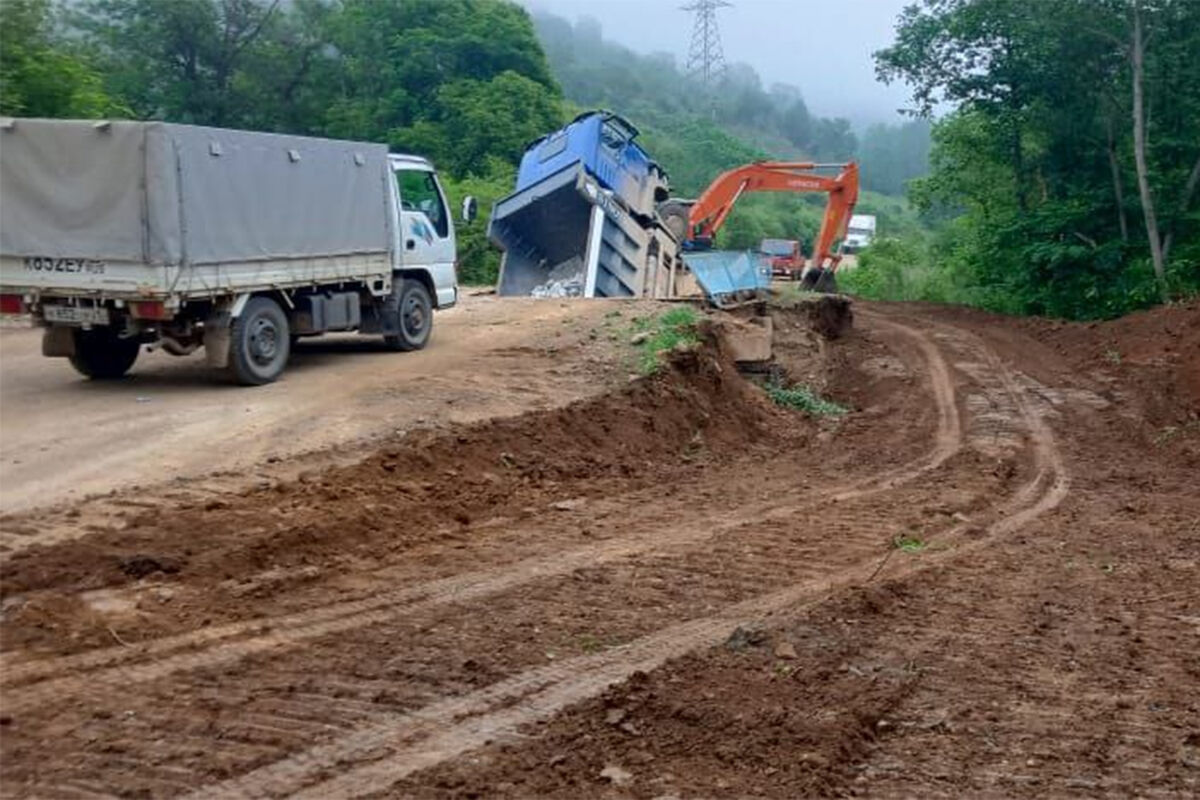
x=696, y=222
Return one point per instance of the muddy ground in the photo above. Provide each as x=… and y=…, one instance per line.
x=983, y=580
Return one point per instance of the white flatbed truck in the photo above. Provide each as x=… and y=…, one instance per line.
x=118, y=234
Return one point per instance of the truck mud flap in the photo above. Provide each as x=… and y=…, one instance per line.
x=58, y=342
x=217, y=335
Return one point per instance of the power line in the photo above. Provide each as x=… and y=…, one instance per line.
x=706, y=59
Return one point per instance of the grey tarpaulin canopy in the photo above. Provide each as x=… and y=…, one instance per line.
x=166, y=194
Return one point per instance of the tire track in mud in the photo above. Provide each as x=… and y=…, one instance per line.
x=394, y=747
x=948, y=437
x=37, y=680
x=442, y=726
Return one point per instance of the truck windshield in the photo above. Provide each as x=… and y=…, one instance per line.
x=615, y=136
x=419, y=192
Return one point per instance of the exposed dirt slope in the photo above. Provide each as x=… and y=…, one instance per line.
x=1152, y=355
x=981, y=581
x=429, y=487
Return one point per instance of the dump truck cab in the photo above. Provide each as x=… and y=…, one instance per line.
x=603, y=143
x=785, y=255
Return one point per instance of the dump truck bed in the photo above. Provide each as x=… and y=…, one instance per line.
x=151, y=209
x=566, y=236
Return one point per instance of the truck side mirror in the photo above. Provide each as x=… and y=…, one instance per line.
x=470, y=209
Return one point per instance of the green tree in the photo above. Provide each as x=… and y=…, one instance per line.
x=41, y=76
x=1041, y=142
x=472, y=121
x=461, y=80
x=180, y=60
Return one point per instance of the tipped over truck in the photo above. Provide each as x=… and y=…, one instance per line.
x=592, y=216
x=582, y=221
x=119, y=234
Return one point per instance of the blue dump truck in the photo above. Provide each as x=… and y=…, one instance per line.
x=584, y=221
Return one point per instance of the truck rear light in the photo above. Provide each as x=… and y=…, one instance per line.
x=150, y=309
x=12, y=304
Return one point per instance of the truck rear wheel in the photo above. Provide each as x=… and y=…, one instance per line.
x=414, y=317
x=101, y=354
x=259, y=343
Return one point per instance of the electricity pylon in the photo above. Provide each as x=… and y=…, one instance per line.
x=706, y=59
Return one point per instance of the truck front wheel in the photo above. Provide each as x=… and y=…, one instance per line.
x=101, y=354
x=413, y=312
x=259, y=343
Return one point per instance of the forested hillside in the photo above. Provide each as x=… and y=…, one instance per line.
x=462, y=81
x=694, y=132
x=1066, y=174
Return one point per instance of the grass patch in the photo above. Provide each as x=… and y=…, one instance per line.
x=791, y=293
x=804, y=399
x=589, y=643
x=658, y=335
x=1172, y=432
x=909, y=544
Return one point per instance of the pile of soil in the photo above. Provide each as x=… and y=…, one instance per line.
x=1153, y=353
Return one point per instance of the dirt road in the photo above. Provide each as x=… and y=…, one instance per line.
x=62, y=437
x=980, y=581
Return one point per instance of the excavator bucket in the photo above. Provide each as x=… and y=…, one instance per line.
x=819, y=279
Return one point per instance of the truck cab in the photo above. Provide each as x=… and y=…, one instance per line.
x=860, y=232
x=785, y=255
x=604, y=144
x=425, y=245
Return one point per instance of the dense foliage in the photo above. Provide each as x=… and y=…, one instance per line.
x=40, y=76
x=1066, y=173
x=460, y=81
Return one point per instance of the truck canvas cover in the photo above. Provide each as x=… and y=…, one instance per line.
x=161, y=194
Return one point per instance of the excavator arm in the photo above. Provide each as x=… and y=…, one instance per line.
x=709, y=212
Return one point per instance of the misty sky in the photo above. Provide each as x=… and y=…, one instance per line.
x=822, y=46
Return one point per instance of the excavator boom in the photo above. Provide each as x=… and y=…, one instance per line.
x=709, y=212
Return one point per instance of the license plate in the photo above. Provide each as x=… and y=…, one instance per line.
x=76, y=315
